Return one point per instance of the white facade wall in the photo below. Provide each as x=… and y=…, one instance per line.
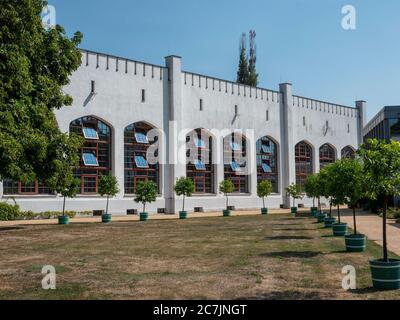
x=174, y=95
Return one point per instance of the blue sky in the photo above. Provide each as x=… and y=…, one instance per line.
x=298, y=41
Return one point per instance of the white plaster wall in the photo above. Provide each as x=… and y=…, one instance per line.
x=171, y=95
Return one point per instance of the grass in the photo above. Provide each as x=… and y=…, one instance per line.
x=246, y=257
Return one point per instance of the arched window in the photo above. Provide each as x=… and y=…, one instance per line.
x=304, y=163
x=95, y=153
x=348, y=152
x=326, y=155
x=139, y=165
x=235, y=161
x=267, y=162
x=199, y=166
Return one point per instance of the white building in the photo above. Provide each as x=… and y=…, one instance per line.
x=117, y=101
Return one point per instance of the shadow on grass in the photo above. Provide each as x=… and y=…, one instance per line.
x=291, y=254
x=289, y=238
x=293, y=229
x=285, y=295
x=10, y=229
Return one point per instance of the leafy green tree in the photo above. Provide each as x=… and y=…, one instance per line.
x=184, y=187
x=312, y=187
x=146, y=192
x=294, y=191
x=35, y=64
x=335, y=186
x=226, y=187
x=381, y=175
x=351, y=176
x=243, y=71
x=108, y=186
x=325, y=184
x=62, y=180
x=264, y=189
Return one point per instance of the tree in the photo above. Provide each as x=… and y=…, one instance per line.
x=312, y=187
x=253, y=75
x=294, y=191
x=334, y=185
x=243, y=72
x=226, y=187
x=381, y=175
x=184, y=187
x=264, y=189
x=325, y=185
x=352, y=183
x=108, y=186
x=146, y=192
x=63, y=180
x=35, y=64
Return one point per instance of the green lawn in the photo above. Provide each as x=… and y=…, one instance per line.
x=250, y=257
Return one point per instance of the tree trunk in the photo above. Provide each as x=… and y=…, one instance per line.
x=319, y=204
x=107, y=205
x=227, y=203
x=354, y=220
x=183, y=208
x=338, y=213
x=385, y=251
x=313, y=202
x=64, y=207
x=294, y=202
x=144, y=207
x=330, y=208
x=264, y=202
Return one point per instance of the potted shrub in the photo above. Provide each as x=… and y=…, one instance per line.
x=294, y=191
x=264, y=189
x=146, y=192
x=381, y=175
x=226, y=187
x=351, y=172
x=312, y=189
x=184, y=187
x=108, y=186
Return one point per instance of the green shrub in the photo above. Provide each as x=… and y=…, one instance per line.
x=392, y=213
x=8, y=212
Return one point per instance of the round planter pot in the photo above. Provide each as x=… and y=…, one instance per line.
x=320, y=217
x=183, y=215
x=314, y=211
x=355, y=242
x=264, y=211
x=329, y=222
x=63, y=220
x=106, y=218
x=339, y=229
x=293, y=210
x=385, y=275
x=226, y=213
x=144, y=216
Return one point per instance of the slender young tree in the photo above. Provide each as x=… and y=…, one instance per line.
x=312, y=187
x=381, y=175
x=66, y=160
x=226, y=187
x=294, y=191
x=264, y=189
x=146, y=192
x=108, y=186
x=35, y=65
x=184, y=187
